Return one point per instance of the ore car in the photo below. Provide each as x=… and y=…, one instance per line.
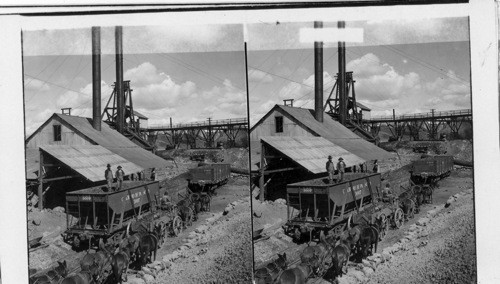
x=325, y=206
x=431, y=168
x=207, y=177
x=426, y=172
x=103, y=214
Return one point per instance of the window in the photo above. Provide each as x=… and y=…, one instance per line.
x=57, y=132
x=279, y=124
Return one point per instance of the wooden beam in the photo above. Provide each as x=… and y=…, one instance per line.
x=281, y=170
x=262, y=172
x=58, y=178
x=40, y=183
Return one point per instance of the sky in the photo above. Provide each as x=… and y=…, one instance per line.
x=410, y=66
x=191, y=73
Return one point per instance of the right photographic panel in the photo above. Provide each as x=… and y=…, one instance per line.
x=361, y=151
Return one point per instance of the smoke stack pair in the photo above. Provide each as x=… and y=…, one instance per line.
x=96, y=79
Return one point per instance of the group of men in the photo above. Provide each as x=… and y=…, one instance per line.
x=108, y=174
x=120, y=175
x=330, y=168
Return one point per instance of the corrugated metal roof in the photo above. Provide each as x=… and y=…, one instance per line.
x=336, y=133
x=90, y=161
x=311, y=152
x=115, y=142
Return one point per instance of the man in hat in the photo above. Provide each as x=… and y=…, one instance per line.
x=108, y=175
x=375, y=166
x=341, y=169
x=119, y=177
x=330, y=168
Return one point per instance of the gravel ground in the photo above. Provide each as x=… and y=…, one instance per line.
x=441, y=249
x=223, y=253
x=446, y=255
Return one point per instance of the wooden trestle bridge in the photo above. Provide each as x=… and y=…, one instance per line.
x=208, y=131
x=413, y=124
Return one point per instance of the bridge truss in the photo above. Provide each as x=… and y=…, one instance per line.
x=414, y=124
x=209, y=132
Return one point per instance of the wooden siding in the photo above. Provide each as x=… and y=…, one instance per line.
x=45, y=136
x=268, y=128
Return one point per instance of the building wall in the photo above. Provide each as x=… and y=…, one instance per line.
x=45, y=136
x=268, y=128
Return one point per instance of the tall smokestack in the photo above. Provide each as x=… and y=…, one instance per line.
x=341, y=79
x=96, y=78
x=120, y=101
x=318, y=76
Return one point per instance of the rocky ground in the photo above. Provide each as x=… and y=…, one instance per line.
x=215, y=249
x=437, y=246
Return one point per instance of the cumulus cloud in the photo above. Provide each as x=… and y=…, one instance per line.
x=154, y=89
x=258, y=76
x=304, y=89
x=36, y=85
x=82, y=98
x=381, y=86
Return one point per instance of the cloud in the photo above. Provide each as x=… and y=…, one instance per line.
x=36, y=85
x=82, y=98
x=383, y=88
x=136, y=39
x=154, y=89
x=377, y=81
x=255, y=75
x=304, y=89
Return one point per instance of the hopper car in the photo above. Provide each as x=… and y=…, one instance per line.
x=207, y=177
x=95, y=213
x=426, y=172
x=317, y=205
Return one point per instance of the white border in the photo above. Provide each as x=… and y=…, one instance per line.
x=485, y=69
x=484, y=60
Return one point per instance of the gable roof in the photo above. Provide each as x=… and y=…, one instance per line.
x=89, y=160
x=109, y=139
x=332, y=131
x=311, y=152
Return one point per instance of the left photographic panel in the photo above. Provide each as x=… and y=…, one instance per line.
x=137, y=154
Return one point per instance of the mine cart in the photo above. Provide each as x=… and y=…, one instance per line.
x=207, y=178
x=431, y=169
x=318, y=205
x=106, y=214
x=426, y=172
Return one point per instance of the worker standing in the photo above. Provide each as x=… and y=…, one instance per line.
x=341, y=169
x=108, y=175
x=119, y=177
x=153, y=174
x=375, y=166
x=330, y=168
